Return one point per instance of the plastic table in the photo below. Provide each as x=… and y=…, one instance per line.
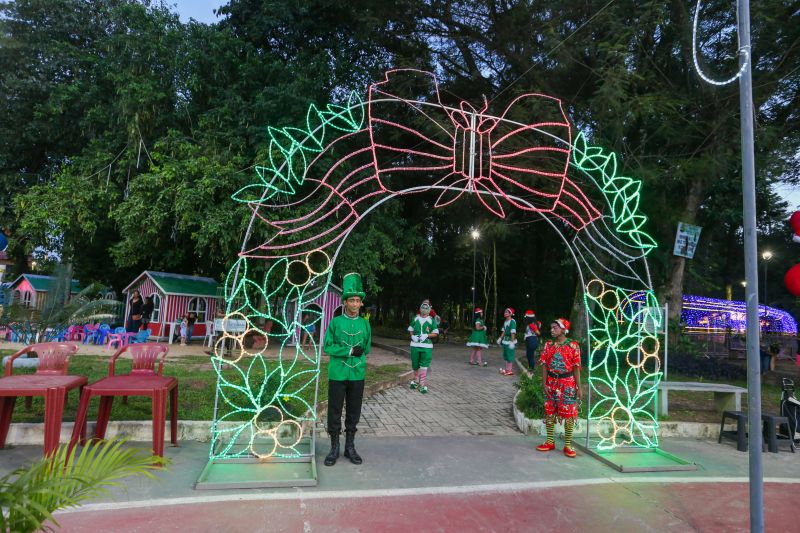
x=54, y=389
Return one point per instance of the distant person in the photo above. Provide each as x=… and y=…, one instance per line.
x=423, y=330
x=508, y=340
x=192, y=318
x=444, y=329
x=478, y=339
x=531, y=336
x=135, y=310
x=147, y=311
x=184, y=329
x=308, y=331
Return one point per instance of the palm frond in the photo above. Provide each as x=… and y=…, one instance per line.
x=30, y=495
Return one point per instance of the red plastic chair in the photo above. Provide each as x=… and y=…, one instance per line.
x=50, y=381
x=144, y=380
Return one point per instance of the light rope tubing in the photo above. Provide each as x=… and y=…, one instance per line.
x=578, y=257
x=743, y=51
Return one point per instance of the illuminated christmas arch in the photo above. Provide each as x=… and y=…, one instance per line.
x=324, y=178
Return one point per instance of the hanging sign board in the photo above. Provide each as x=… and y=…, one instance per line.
x=686, y=240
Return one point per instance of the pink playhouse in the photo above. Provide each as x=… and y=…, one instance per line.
x=327, y=304
x=173, y=296
x=31, y=290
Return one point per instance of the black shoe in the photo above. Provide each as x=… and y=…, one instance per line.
x=330, y=459
x=350, y=449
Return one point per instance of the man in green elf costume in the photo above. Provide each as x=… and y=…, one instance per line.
x=422, y=329
x=348, y=340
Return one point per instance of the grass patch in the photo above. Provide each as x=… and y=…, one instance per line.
x=196, y=387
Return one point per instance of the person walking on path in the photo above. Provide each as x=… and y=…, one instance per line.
x=423, y=329
x=508, y=340
x=477, y=339
x=532, y=332
x=348, y=339
x=561, y=375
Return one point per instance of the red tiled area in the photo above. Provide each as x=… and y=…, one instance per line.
x=708, y=507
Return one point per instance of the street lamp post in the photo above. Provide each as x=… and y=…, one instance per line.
x=766, y=256
x=475, y=234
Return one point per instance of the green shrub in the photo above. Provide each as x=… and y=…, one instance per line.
x=531, y=395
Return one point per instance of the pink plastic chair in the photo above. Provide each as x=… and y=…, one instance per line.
x=143, y=380
x=50, y=381
x=53, y=357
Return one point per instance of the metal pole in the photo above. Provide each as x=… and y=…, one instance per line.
x=666, y=339
x=751, y=272
x=474, y=245
x=765, y=282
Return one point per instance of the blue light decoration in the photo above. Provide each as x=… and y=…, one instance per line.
x=3, y=242
x=703, y=313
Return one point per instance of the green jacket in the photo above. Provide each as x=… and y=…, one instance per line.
x=342, y=335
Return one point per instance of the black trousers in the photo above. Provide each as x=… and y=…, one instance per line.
x=338, y=392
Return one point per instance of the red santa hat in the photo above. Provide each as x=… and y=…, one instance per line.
x=563, y=323
x=510, y=310
x=529, y=313
x=478, y=310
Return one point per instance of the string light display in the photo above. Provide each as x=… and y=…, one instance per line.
x=744, y=51
x=702, y=313
x=624, y=364
x=349, y=159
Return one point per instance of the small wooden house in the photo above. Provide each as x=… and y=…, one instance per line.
x=174, y=295
x=31, y=290
x=327, y=304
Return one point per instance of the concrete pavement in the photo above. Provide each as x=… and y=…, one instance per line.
x=454, y=477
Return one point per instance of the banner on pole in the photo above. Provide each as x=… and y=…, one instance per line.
x=686, y=240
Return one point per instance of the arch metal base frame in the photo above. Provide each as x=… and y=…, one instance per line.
x=627, y=459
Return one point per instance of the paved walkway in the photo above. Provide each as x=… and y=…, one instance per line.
x=462, y=399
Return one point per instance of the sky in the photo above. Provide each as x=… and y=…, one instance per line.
x=203, y=11
x=200, y=10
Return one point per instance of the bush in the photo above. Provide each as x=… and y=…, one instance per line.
x=531, y=396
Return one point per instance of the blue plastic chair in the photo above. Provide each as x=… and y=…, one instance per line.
x=140, y=337
x=101, y=334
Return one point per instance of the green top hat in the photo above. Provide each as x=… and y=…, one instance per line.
x=352, y=286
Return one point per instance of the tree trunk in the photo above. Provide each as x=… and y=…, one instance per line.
x=577, y=315
x=674, y=290
x=494, y=269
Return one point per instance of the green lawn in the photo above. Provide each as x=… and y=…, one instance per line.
x=196, y=387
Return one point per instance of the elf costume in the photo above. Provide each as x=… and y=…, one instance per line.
x=422, y=329
x=478, y=339
x=508, y=340
x=348, y=339
x=561, y=361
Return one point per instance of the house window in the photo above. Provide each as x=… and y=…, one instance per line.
x=26, y=298
x=156, y=307
x=198, y=307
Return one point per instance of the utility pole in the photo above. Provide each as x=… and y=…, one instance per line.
x=751, y=271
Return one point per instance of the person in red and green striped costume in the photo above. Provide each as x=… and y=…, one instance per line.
x=561, y=375
x=422, y=329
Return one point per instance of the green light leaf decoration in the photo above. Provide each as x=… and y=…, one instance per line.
x=288, y=147
x=622, y=194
